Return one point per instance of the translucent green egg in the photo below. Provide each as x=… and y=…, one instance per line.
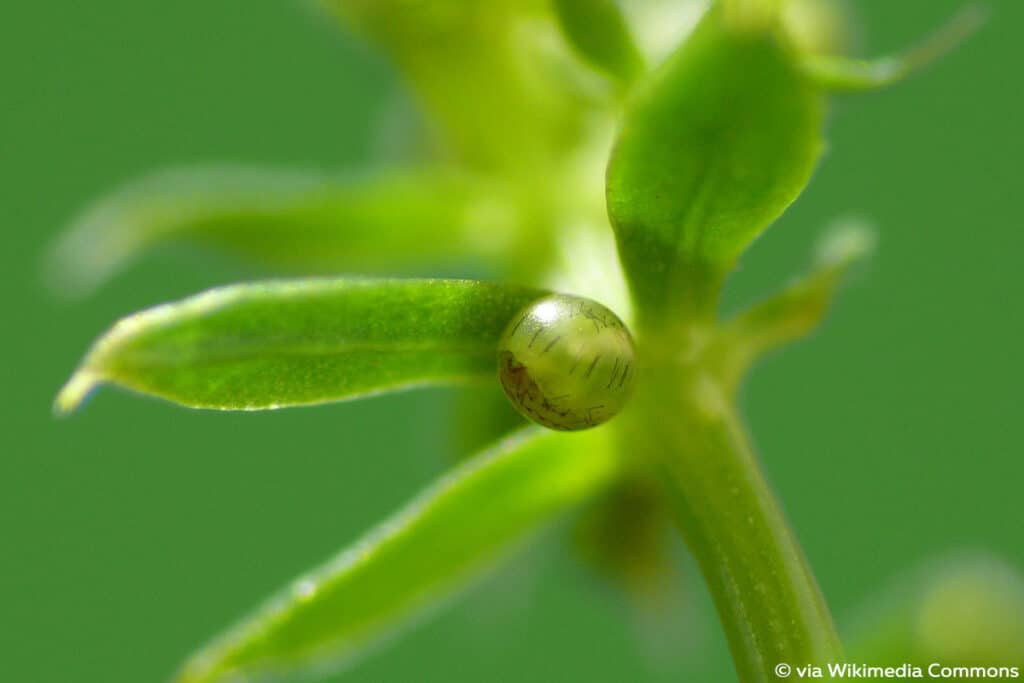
x=567, y=363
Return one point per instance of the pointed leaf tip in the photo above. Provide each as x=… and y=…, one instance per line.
x=844, y=243
x=74, y=392
x=846, y=74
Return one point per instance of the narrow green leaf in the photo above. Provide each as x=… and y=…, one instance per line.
x=798, y=309
x=275, y=344
x=845, y=74
x=290, y=220
x=427, y=551
x=598, y=31
x=720, y=142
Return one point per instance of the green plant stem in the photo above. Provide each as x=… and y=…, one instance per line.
x=767, y=599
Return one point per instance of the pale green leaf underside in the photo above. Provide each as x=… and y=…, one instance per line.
x=720, y=142
x=274, y=344
x=294, y=221
x=435, y=545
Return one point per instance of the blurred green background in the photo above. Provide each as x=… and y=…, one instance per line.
x=134, y=530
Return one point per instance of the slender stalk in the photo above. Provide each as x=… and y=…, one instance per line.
x=766, y=596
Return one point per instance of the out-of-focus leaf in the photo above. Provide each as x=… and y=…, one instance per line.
x=963, y=610
x=720, y=142
x=838, y=73
x=598, y=31
x=298, y=220
x=627, y=536
x=796, y=310
x=433, y=547
x=276, y=344
x=489, y=72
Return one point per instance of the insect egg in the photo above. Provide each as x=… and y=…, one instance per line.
x=566, y=362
